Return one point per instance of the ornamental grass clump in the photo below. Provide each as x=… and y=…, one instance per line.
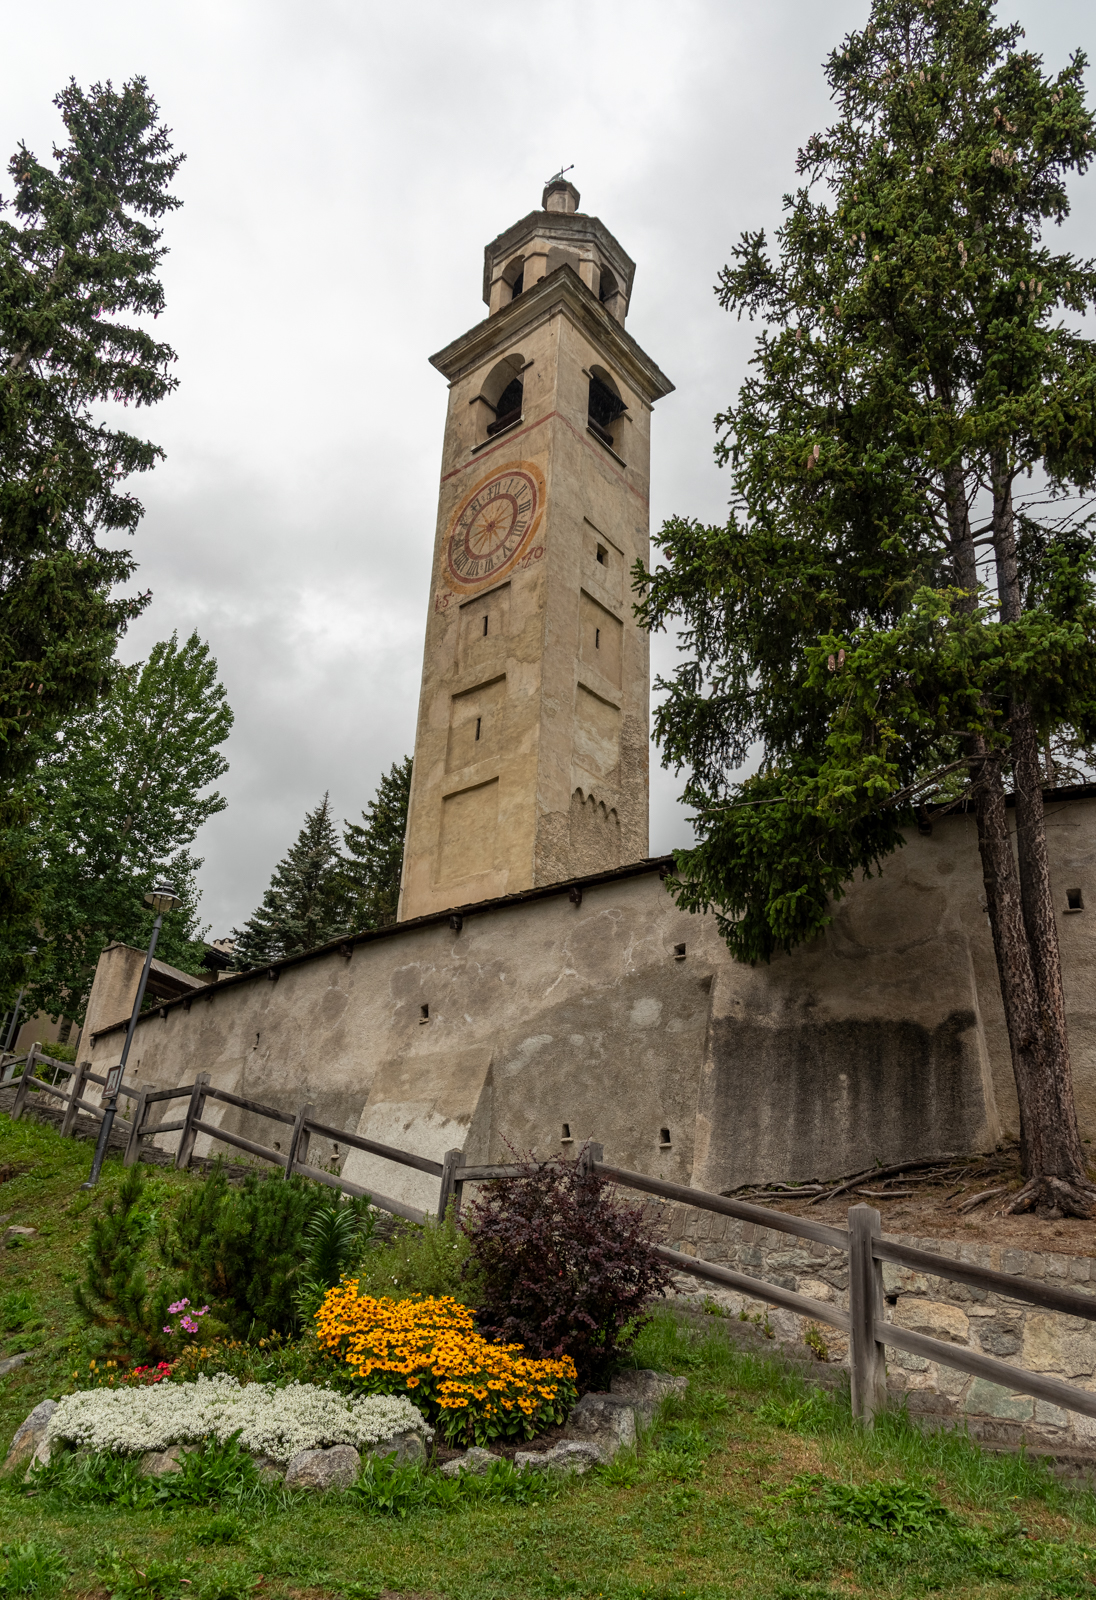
x=429, y=1350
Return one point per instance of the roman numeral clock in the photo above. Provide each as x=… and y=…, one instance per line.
x=531, y=749
x=495, y=527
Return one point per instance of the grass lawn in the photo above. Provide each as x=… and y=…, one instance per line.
x=753, y=1485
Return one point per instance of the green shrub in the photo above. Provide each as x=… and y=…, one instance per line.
x=242, y=1248
x=434, y=1259
x=335, y=1236
x=115, y=1297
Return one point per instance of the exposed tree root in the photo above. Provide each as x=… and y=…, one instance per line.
x=1055, y=1197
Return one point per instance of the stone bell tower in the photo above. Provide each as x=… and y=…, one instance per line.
x=532, y=743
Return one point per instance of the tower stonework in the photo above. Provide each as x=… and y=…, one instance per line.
x=531, y=751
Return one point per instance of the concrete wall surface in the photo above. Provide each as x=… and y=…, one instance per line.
x=624, y=1019
x=1046, y=1342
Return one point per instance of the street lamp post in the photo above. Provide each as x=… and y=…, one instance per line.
x=162, y=899
x=33, y=951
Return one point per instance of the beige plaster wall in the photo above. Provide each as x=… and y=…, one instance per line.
x=882, y=1040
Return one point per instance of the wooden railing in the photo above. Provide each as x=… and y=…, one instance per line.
x=72, y=1096
x=862, y=1243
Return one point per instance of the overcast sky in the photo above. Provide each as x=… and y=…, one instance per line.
x=346, y=163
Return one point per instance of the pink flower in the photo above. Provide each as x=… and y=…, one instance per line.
x=168, y=1329
x=180, y=1305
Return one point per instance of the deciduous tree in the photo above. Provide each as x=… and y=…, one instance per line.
x=121, y=793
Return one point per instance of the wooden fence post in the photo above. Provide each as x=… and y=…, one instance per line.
x=76, y=1090
x=193, y=1115
x=589, y=1154
x=451, y=1160
x=133, y=1146
x=866, y=1359
x=24, y=1084
x=299, y=1141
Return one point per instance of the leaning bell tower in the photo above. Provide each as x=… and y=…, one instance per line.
x=532, y=742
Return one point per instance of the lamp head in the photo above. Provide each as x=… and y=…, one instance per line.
x=162, y=898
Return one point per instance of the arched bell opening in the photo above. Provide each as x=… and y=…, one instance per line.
x=500, y=398
x=605, y=405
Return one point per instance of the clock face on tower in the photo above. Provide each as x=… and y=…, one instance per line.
x=494, y=527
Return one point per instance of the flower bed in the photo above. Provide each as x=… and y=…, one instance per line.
x=429, y=1349
x=271, y=1421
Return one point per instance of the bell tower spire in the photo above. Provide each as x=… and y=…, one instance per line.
x=531, y=751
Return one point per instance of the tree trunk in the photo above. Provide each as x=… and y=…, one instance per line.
x=1019, y=900
x=1025, y=935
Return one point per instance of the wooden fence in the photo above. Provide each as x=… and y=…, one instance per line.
x=864, y=1322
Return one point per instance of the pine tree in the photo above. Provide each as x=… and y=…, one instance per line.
x=305, y=905
x=887, y=613
x=374, y=860
x=115, y=1296
x=122, y=791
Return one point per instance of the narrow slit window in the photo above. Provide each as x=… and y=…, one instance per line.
x=664, y=1136
x=566, y=1139
x=597, y=638
x=602, y=556
x=479, y=724
x=424, y=1013
x=679, y=952
x=485, y=627
x=1074, y=900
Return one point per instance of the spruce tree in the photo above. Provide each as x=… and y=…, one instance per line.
x=374, y=846
x=305, y=905
x=902, y=607
x=79, y=255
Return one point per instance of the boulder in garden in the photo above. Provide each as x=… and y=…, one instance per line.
x=570, y=1455
x=29, y=1435
x=334, y=1468
x=475, y=1460
x=607, y=1421
x=645, y=1390
x=406, y=1447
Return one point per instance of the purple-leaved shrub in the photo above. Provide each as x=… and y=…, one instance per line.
x=562, y=1266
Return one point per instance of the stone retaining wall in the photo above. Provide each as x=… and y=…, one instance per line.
x=1039, y=1341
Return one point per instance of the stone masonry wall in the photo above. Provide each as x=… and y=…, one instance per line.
x=1040, y=1341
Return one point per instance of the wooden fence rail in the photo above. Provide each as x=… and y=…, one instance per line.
x=862, y=1243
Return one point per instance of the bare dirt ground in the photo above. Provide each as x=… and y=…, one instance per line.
x=930, y=1200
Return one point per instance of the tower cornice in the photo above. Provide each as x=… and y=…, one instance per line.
x=565, y=291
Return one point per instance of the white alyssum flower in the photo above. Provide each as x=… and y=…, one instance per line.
x=271, y=1421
